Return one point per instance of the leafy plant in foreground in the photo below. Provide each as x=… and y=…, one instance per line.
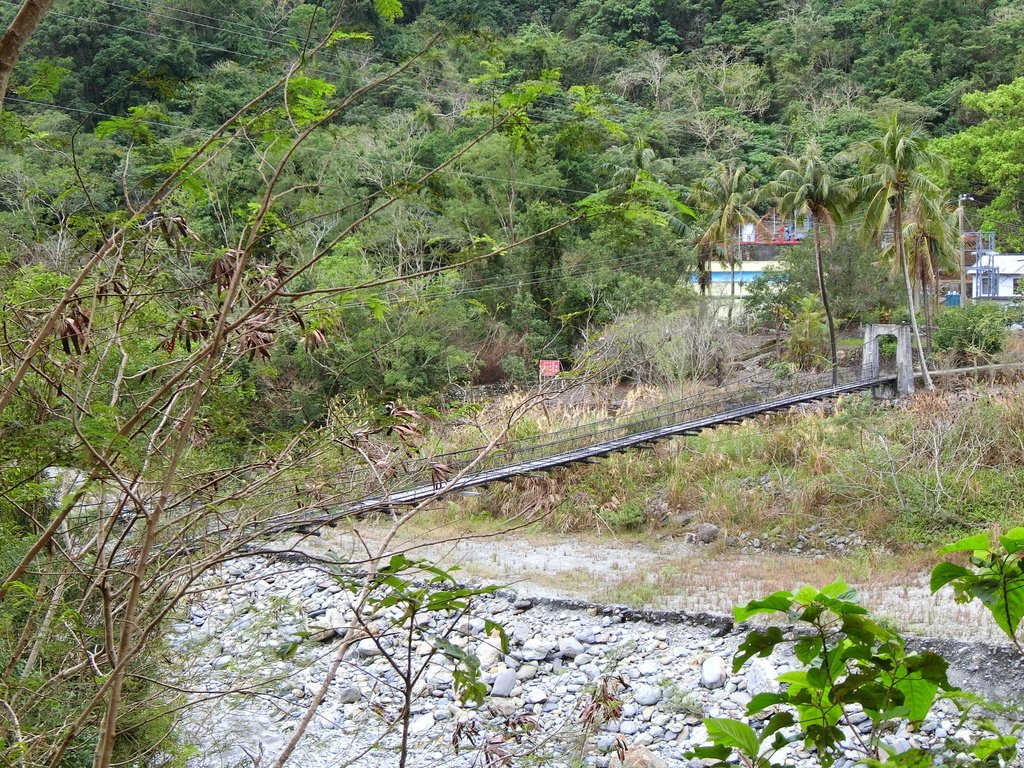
x=851, y=663
x=995, y=576
x=412, y=593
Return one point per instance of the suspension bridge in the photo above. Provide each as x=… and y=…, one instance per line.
x=759, y=394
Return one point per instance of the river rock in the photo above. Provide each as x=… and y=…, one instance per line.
x=536, y=649
x=488, y=650
x=367, y=648
x=561, y=656
x=647, y=695
x=527, y=671
x=707, y=533
x=648, y=667
x=422, y=724
x=713, y=673
x=503, y=683
x=570, y=647
x=637, y=757
x=761, y=675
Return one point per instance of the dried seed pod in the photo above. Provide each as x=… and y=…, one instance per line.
x=74, y=330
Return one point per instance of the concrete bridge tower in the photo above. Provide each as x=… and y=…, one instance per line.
x=871, y=365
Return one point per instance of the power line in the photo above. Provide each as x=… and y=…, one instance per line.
x=158, y=124
x=207, y=46
x=262, y=36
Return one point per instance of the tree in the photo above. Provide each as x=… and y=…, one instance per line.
x=632, y=164
x=808, y=185
x=723, y=198
x=931, y=236
x=987, y=159
x=895, y=167
x=14, y=39
x=128, y=365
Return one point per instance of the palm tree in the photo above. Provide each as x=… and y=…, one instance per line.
x=640, y=176
x=631, y=164
x=895, y=167
x=931, y=235
x=809, y=185
x=724, y=199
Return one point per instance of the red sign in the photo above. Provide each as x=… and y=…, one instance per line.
x=549, y=368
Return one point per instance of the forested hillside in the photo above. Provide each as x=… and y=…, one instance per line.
x=248, y=247
x=637, y=99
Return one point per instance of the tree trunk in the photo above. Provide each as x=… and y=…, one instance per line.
x=14, y=39
x=732, y=279
x=927, y=304
x=902, y=258
x=824, y=302
x=703, y=276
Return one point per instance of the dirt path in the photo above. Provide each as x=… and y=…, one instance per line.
x=674, y=574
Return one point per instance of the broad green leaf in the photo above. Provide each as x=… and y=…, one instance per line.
x=717, y=752
x=976, y=543
x=733, y=733
x=762, y=701
x=806, y=649
x=398, y=563
x=918, y=697
x=757, y=643
x=943, y=573
x=985, y=747
x=795, y=679
x=777, y=601
x=777, y=722
x=840, y=590
x=930, y=666
x=1013, y=540
x=1008, y=605
x=806, y=595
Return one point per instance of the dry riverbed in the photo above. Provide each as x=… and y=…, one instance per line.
x=672, y=573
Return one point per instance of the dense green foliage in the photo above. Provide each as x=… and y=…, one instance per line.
x=987, y=159
x=859, y=290
x=235, y=237
x=971, y=334
x=687, y=84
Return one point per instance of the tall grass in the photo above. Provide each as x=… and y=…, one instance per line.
x=916, y=473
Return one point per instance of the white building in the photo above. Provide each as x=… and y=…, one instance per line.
x=722, y=276
x=997, y=275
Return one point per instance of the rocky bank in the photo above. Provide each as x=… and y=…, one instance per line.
x=579, y=682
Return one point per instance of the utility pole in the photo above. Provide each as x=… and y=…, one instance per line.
x=961, y=199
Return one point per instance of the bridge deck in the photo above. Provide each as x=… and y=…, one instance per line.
x=590, y=452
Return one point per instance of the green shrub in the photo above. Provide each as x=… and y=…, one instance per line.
x=971, y=334
x=630, y=516
x=807, y=339
x=1014, y=313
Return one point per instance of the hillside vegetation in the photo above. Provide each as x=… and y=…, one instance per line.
x=638, y=99
x=248, y=249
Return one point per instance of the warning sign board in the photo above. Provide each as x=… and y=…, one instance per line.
x=550, y=368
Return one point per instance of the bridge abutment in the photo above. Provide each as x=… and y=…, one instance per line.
x=871, y=365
